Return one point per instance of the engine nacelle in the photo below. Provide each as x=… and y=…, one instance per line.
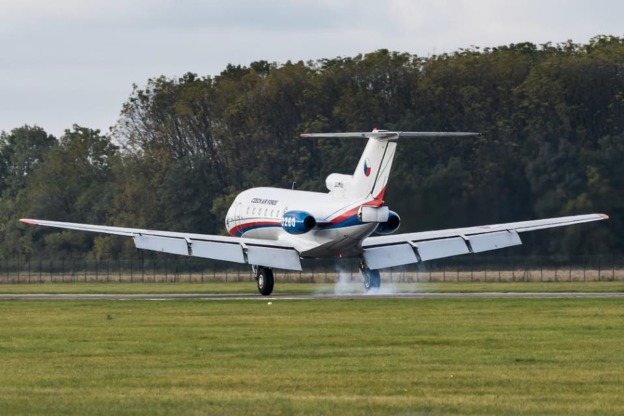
x=298, y=222
x=390, y=226
x=338, y=183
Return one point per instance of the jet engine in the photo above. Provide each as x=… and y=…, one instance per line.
x=389, y=226
x=298, y=222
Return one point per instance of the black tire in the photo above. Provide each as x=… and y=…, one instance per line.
x=375, y=279
x=372, y=279
x=265, y=281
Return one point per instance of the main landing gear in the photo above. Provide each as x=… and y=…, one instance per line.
x=264, y=277
x=372, y=278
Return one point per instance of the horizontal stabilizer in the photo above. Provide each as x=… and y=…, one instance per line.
x=389, y=135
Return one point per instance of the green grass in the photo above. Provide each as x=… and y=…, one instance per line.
x=284, y=288
x=370, y=356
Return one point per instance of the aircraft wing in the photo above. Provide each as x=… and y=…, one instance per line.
x=395, y=250
x=234, y=249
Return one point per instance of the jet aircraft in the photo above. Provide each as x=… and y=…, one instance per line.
x=273, y=228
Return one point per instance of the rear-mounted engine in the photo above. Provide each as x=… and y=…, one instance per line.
x=390, y=226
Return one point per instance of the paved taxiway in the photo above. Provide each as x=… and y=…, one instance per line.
x=213, y=297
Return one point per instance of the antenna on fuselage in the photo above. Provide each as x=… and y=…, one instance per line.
x=293, y=185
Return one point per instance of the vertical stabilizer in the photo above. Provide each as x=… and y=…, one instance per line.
x=371, y=174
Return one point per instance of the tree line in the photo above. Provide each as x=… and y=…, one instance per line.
x=552, y=118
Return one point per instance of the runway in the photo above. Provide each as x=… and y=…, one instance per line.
x=310, y=297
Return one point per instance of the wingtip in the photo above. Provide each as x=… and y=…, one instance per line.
x=28, y=221
x=604, y=216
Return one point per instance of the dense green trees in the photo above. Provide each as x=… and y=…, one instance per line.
x=21, y=151
x=553, y=144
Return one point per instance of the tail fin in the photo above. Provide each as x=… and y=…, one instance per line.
x=371, y=175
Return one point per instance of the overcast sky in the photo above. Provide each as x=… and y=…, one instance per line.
x=74, y=61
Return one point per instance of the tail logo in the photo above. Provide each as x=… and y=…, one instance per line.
x=367, y=167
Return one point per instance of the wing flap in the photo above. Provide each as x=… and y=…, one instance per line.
x=493, y=241
x=389, y=256
x=162, y=244
x=437, y=249
x=218, y=251
x=273, y=257
x=399, y=254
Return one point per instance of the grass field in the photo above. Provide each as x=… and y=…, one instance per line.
x=367, y=356
x=319, y=288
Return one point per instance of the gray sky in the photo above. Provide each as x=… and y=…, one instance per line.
x=74, y=61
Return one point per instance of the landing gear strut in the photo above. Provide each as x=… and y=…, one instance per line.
x=372, y=278
x=264, y=277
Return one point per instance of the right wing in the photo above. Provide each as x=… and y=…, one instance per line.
x=396, y=250
x=257, y=252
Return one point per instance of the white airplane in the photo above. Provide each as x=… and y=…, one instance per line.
x=273, y=228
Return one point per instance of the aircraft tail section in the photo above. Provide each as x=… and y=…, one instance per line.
x=371, y=174
x=373, y=170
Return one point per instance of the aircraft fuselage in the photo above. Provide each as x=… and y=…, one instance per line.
x=337, y=228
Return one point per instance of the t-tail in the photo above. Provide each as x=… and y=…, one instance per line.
x=373, y=170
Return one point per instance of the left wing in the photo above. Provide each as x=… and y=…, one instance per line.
x=395, y=250
x=267, y=253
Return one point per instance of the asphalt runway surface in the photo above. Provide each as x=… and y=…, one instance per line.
x=277, y=297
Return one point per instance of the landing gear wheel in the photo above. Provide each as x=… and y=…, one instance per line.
x=264, y=276
x=372, y=278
